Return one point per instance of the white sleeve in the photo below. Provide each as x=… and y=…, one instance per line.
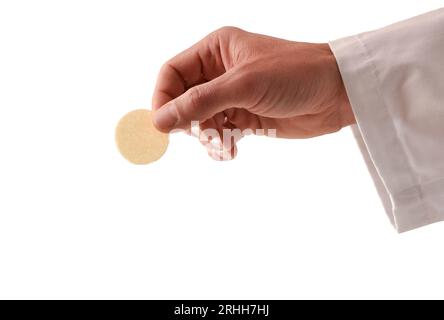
x=394, y=78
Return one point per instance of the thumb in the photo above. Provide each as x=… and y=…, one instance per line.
x=198, y=103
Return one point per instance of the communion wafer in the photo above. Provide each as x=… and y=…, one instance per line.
x=138, y=140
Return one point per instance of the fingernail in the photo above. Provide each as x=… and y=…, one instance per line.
x=165, y=118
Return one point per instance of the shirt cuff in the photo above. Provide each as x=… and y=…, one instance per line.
x=388, y=162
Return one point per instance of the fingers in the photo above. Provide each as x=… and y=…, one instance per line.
x=214, y=136
x=200, y=63
x=196, y=86
x=244, y=119
x=199, y=103
x=224, y=155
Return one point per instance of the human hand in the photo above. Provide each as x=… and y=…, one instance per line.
x=233, y=79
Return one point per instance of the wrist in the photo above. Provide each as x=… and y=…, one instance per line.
x=346, y=115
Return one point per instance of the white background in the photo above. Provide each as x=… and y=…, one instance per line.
x=286, y=219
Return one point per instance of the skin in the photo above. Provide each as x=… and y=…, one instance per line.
x=237, y=79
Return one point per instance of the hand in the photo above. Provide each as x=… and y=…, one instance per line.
x=236, y=79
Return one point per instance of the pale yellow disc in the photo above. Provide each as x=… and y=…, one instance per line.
x=138, y=140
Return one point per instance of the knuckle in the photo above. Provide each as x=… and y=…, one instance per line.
x=165, y=68
x=195, y=99
x=165, y=65
x=228, y=31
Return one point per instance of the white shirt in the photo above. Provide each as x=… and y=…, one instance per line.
x=394, y=79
